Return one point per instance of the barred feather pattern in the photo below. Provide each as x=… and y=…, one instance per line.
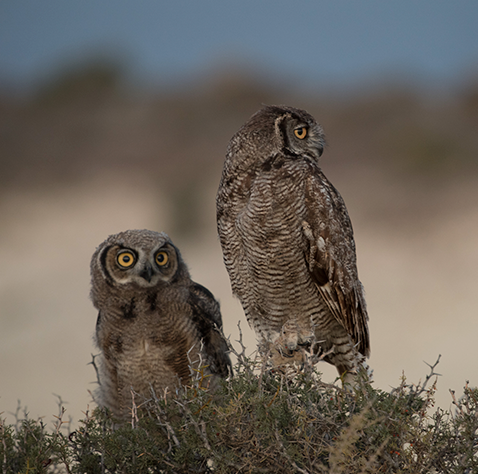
x=156, y=327
x=287, y=240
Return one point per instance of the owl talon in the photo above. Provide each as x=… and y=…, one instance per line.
x=305, y=344
x=289, y=354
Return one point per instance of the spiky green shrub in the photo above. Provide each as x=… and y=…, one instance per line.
x=260, y=421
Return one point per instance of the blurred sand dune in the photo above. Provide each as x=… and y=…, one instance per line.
x=82, y=173
x=421, y=291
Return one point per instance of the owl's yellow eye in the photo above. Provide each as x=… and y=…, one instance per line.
x=300, y=132
x=161, y=258
x=125, y=259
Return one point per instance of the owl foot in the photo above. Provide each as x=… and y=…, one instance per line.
x=281, y=357
x=293, y=337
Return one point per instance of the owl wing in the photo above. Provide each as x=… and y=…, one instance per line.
x=330, y=255
x=207, y=317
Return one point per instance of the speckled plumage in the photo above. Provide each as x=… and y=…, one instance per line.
x=154, y=322
x=287, y=240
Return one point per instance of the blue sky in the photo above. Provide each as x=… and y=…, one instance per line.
x=335, y=42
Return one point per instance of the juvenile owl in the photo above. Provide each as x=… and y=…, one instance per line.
x=154, y=323
x=288, y=243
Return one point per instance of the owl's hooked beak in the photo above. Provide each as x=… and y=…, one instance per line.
x=147, y=273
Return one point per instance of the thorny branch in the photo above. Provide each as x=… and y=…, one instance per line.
x=2, y=432
x=284, y=452
x=200, y=430
x=421, y=387
x=93, y=363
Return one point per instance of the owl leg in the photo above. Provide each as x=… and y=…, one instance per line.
x=349, y=376
x=349, y=363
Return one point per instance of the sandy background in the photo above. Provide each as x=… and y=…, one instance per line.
x=76, y=169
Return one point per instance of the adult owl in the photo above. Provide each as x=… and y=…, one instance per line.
x=155, y=325
x=288, y=243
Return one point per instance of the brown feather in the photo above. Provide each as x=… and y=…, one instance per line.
x=287, y=239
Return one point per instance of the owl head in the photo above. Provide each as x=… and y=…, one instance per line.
x=132, y=261
x=279, y=129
